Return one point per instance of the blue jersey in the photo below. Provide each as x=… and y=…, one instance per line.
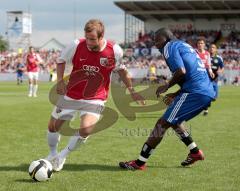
x=179, y=54
x=20, y=68
x=216, y=63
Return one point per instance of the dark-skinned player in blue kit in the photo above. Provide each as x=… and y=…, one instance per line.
x=196, y=93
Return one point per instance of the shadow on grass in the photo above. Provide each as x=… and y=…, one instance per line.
x=26, y=181
x=88, y=167
x=85, y=167
x=103, y=167
x=167, y=167
x=21, y=167
x=67, y=167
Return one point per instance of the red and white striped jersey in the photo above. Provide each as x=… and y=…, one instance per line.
x=205, y=57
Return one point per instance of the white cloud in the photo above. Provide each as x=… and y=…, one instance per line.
x=55, y=19
x=39, y=37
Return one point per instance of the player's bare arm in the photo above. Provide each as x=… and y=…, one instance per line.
x=212, y=75
x=124, y=75
x=168, y=98
x=220, y=71
x=177, y=78
x=61, y=87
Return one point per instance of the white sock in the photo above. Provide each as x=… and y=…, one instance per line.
x=53, y=140
x=30, y=89
x=73, y=144
x=35, y=88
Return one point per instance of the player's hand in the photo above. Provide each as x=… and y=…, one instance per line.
x=138, y=98
x=61, y=87
x=168, y=98
x=212, y=75
x=162, y=89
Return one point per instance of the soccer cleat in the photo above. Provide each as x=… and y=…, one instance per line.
x=58, y=163
x=34, y=95
x=131, y=165
x=205, y=112
x=192, y=158
x=29, y=95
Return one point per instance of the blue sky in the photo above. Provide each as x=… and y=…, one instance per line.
x=55, y=18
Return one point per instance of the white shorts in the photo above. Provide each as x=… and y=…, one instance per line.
x=93, y=107
x=33, y=75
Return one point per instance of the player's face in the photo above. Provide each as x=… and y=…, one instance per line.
x=19, y=59
x=213, y=49
x=159, y=41
x=92, y=40
x=31, y=50
x=200, y=45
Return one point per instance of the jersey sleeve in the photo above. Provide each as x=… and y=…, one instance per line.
x=208, y=62
x=27, y=59
x=68, y=53
x=39, y=58
x=118, y=54
x=176, y=60
x=221, y=64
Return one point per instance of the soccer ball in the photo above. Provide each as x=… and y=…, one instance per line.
x=40, y=170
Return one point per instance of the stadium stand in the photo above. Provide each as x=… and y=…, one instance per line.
x=215, y=20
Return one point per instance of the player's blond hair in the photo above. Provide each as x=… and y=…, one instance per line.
x=95, y=24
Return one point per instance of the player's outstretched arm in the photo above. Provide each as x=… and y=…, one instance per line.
x=61, y=87
x=168, y=98
x=125, y=77
x=177, y=78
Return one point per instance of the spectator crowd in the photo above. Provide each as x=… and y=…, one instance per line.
x=140, y=54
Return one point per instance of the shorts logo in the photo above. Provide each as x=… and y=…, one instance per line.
x=58, y=110
x=89, y=68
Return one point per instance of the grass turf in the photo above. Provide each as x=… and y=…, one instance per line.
x=95, y=166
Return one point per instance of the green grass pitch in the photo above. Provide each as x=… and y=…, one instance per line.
x=23, y=126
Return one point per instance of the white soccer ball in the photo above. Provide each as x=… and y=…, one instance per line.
x=40, y=170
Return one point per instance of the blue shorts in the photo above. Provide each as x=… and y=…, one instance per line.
x=186, y=106
x=19, y=74
x=215, y=87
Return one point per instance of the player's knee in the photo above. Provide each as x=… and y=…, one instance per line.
x=52, y=126
x=85, y=132
x=158, y=131
x=163, y=123
x=86, y=129
x=87, y=125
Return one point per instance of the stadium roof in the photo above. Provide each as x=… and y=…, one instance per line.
x=179, y=9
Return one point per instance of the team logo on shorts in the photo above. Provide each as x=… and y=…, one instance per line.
x=58, y=110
